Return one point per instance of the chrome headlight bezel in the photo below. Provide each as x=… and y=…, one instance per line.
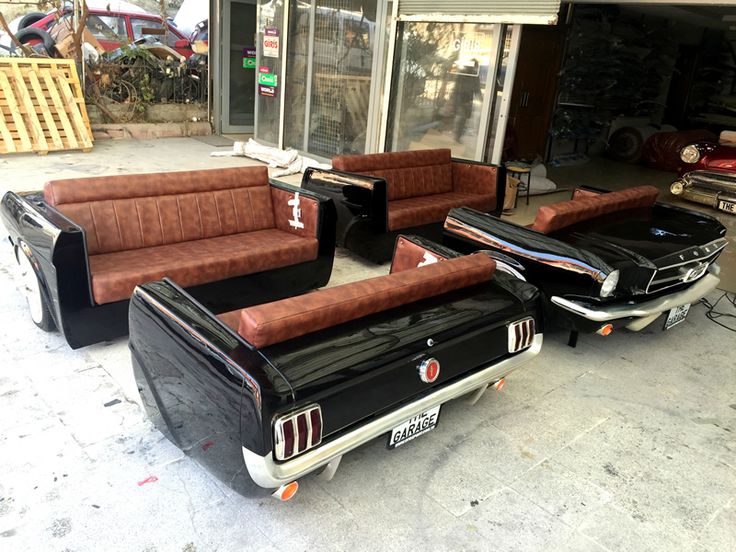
x=608, y=286
x=690, y=154
x=677, y=187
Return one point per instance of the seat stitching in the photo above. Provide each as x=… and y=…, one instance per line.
x=117, y=222
x=160, y=222
x=94, y=226
x=217, y=209
x=199, y=213
x=235, y=209
x=140, y=226
x=178, y=211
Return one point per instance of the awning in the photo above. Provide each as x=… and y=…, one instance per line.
x=539, y=12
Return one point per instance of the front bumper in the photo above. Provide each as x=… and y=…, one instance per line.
x=643, y=313
x=269, y=474
x=706, y=187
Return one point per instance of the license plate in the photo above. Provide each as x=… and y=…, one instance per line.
x=414, y=427
x=676, y=315
x=728, y=206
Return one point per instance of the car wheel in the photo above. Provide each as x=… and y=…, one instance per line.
x=31, y=33
x=29, y=19
x=31, y=289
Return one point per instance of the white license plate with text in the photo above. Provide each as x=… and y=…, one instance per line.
x=728, y=206
x=414, y=427
x=676, y=315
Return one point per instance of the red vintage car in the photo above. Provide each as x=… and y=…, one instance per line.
x=112, y=29
x=708, y=173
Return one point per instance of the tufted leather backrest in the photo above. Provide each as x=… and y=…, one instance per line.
x=279, y=321
x=407, y=173
x=566, y=213
x=142, y=210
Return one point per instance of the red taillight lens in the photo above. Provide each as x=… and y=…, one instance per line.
x=521, y=334
x=297, y=432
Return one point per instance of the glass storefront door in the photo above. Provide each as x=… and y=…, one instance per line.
x=329, y=67
x=239, y=91
x=440, y=91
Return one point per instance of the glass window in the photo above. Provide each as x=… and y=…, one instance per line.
x=439, y=85
x=330, y=59
x=107, y=27
x=139, y=25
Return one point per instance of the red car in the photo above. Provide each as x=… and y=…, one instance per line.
x=708, y=174
x=112, y=29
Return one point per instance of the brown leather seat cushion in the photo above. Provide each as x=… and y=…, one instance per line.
x=560, y=215
x=279, y=321
x=415, y=211
x=407, y=173
x=125, y=212
x=115, y=275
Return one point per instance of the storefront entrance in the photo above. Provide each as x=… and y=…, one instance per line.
x=239, y=67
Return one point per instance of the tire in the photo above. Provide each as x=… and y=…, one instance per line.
x=29, y=19
x=31, y=33
x=31, y=289
x=626, y=145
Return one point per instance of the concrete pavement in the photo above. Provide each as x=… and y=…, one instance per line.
x=625, y=443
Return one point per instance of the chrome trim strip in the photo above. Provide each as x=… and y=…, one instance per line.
x=472, y=233
x=269, y=474
x=604, y=313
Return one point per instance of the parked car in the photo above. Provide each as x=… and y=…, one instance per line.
x=708, y=175
x=112, y=29
x=287, y=388
x=603, y=260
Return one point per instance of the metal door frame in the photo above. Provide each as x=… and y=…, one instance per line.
x=224, y=49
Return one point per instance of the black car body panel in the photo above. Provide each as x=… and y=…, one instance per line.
x=657, y=252
x=202, y=383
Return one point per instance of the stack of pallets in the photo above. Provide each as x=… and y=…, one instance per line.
x=42, y=106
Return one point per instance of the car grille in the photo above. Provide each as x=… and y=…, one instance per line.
x=687, y=271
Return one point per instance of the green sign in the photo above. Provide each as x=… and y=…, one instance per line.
x=267, y=79
x=249, y=63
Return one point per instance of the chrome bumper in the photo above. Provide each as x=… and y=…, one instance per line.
x=648, y=310
x=269, y=474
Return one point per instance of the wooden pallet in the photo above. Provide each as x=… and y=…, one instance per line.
x=42, y=107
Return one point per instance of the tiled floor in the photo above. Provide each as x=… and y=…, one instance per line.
x=624, y=443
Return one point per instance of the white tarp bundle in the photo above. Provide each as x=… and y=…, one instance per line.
x=280, y=162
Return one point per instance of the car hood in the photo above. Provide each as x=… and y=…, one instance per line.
x=648, y=238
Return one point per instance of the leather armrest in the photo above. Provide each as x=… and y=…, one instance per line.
x=415, y=251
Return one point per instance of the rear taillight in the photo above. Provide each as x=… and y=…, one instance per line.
x=521, y=334
x=297, y=431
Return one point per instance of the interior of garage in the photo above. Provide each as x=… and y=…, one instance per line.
x=609, y=96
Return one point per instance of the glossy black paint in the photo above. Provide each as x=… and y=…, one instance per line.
x=202, y=383
x=59, y=251
x=574, y=261
x=362, y=210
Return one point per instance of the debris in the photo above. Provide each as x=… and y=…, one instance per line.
x=113, y=402
x=151, y=479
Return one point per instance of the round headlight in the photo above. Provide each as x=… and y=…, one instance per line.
x=609, y=284
x=690, y=154
x=677, y=187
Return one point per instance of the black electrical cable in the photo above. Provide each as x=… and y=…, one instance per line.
x=714, y=315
